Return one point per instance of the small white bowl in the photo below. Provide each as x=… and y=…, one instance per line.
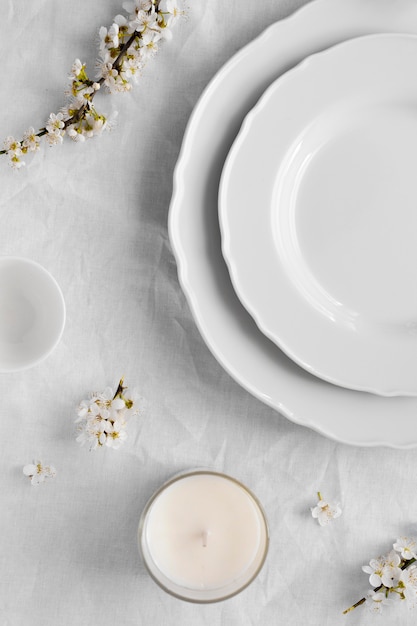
x=32, y=313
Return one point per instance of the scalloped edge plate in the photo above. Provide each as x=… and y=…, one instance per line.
x=251, y=359
x=317, y=214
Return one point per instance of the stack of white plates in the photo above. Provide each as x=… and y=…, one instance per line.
x=305, y=291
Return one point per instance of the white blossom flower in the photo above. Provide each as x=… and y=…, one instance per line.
x=15, y=161
x=31, y=140
x=123, y=25
x=109, y=38
x=97, y=124
x=37, y=472
x=131, y=66
x=133, y=8
x=407, y=586
x=55, y=122
x=76, y=133
x=149, y=44
x=169, y=6
x=91, y=125
x=325, y=512
x=375, y=601
x=145, y=21
x=14, y=151
x=71, y=108
x=102, y=419
x=54, y=138
x=113, y=80
x=384, y=570
x=84, y=92
x=56, y=129
x=406, y=547
x=76, y=69
x=12, y=145
x=170, y=12
x=116, y=435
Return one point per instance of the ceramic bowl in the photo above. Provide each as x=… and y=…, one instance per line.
x=32, y=313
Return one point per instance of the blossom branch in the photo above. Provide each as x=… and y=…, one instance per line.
x=362, y=600
x=392, y=576
x=124, y=50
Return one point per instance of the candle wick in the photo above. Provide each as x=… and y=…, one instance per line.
x=205, y=535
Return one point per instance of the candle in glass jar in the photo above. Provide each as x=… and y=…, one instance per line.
x=203, y=536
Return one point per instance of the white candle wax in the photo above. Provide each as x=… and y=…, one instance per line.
x=203, y=536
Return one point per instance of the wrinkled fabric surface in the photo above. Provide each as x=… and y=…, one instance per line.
x=95, y=215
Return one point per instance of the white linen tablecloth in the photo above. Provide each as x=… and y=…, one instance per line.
x=95, y=215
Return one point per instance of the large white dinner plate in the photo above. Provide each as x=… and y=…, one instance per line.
x=250, y=358
x=318, y=214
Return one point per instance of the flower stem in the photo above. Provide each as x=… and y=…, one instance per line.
x=358, y=603
x=124, y=49
x=361, y=601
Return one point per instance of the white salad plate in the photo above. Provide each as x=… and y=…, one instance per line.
x=318, y=214
x=255, y=362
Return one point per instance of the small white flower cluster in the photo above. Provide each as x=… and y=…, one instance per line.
x=392, y=576
x=129, y=42
x=16, y=149
x=102, y=419
x=37, y=472
x=325, y=512
x=123, y=51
